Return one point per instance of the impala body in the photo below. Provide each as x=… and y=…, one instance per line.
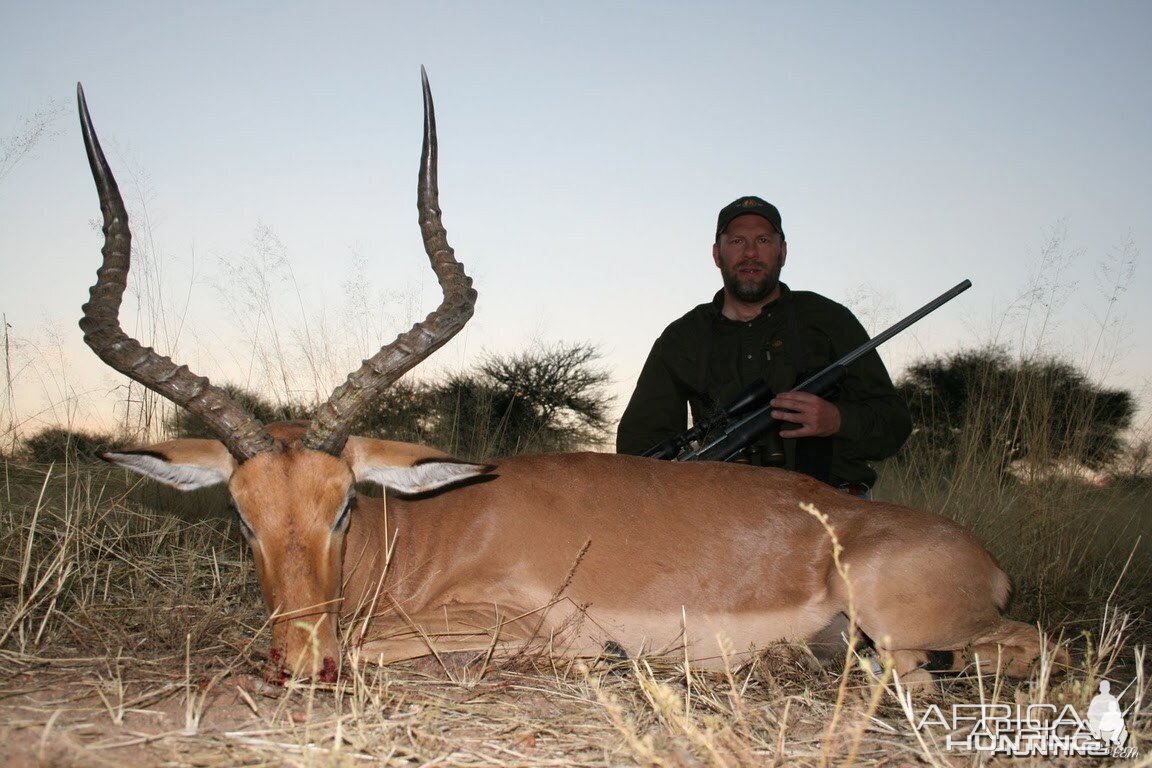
x=561, y=553
x=571, y=552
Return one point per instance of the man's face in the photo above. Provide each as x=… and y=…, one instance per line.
x=750, y=254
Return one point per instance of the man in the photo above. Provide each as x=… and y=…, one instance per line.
x=758, y=328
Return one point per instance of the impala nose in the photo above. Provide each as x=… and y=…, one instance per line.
x=277, y=672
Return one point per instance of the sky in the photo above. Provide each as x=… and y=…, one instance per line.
x=268, y=154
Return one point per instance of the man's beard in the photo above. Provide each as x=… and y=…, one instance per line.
x=751, y=291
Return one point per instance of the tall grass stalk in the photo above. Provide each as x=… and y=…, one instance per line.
x=41, y=582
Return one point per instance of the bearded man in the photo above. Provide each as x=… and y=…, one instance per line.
x=757, y=328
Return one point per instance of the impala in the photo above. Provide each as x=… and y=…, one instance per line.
x=569, y=553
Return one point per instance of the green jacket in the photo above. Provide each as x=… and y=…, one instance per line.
x=704, y=360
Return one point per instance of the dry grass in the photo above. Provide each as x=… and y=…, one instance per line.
x=132, y=626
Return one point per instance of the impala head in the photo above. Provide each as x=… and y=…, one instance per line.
x=291, y=484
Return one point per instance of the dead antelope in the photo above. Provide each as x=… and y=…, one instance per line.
x=569, y=553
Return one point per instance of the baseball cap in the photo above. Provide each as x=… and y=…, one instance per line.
x=745, y=205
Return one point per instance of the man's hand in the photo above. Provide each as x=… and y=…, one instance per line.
x=816, y=416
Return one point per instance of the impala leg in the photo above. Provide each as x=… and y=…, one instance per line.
x=910, y=667
x=830, y=644
x=459, y=628
x=912, y=600
x=1013, y=648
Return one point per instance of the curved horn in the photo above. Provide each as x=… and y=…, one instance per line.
x=243, y=435
x=333, y=420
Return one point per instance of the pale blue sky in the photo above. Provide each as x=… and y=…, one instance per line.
x=585, y=151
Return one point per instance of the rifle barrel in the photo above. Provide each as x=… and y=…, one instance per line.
x=883, y=336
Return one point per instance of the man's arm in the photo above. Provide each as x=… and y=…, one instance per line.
x=657, y=409
x=874, y=419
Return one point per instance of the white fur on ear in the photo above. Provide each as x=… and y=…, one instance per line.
x=186, y=477
x=425, y=476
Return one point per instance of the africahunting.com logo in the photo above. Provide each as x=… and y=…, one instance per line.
x=1034, y=730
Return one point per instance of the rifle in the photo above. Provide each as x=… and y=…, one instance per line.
x=754, y=396
x=749, y=416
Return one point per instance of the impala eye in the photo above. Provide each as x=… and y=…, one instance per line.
x=245, y=529
x=345, y=515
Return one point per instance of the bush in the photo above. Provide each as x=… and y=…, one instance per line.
x=404, y=411
x=57, y=445
x=182, y=423
x=1043, y=410
x=546, y=399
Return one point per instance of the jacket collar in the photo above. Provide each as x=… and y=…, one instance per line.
x=716, y=308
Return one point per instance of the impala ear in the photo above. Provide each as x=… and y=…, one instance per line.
x=186, y=464
x=407, y=468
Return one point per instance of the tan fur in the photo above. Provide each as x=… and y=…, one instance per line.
x=366, y=450
x=569, y=552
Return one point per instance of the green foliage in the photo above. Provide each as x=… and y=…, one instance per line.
x=546, y=399
x=404, y=411
x=478, y=419
x=185, y=424
x=1043, y=410
x=59, y=445
x=1135, y=462
x=550, y=398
